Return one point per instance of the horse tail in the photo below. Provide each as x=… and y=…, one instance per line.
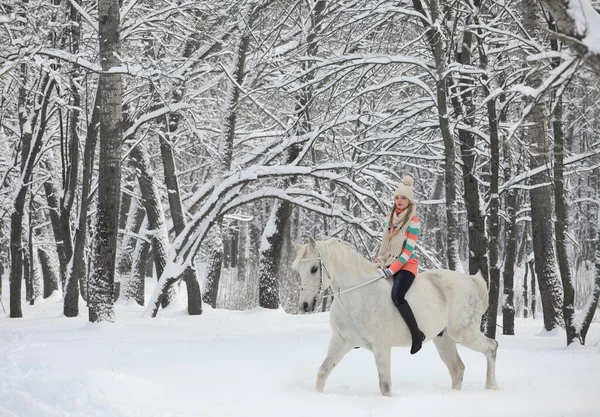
x=483, y=289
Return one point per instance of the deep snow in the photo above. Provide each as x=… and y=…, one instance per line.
x=263, y=363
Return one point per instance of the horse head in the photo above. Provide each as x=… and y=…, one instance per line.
x=314, y=277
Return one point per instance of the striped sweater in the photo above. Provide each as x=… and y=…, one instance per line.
x=408, y=258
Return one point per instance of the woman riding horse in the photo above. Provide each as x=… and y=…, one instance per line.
x=396, y=256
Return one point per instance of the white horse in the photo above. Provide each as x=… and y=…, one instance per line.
x=447, y=305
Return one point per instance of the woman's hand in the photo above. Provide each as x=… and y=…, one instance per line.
x=385, y=272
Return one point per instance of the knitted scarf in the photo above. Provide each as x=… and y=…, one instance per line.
x=394, y=237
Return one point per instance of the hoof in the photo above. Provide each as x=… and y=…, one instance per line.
x=386, y=390
x=494, y=387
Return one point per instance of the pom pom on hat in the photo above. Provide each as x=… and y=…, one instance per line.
x=408, y=180
x=406, y=188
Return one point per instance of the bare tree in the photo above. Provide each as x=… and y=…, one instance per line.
x=560, y=225
x=541, y=194
x=33, y=125
x=154, y=211
x=71, y=162
x=273, y=236
x=78, y=261
x=111, y=133
x=435, y=38
x=508, y=306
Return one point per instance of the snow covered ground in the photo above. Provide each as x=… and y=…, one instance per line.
x=263, y=363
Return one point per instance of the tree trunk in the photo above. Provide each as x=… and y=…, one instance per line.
x=590, y=307
x=48, y=273
x=34, y=276
x=101, y=306
x=510, y=256
x=435, y=228
x=432, y=216
x=560, y=227
x=30, y=148
x=541, y=194
x=134, y=218
x=126, y=202
x=270, y=253
x=28, y=268
x=492, y=247
x=561, y=223
x=16, y=256
x=478, y=244
x=172, y=183
x=525, y=292
x=437, y=44
x=129, y=222
x=533, y=294
x=133, y=284
x=72, y=286
x=154, y=211
x=78, y=262
x=494, y=222
x=213, y=269
x=54, y=209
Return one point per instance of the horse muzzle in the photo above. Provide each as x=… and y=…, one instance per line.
x=307, y=307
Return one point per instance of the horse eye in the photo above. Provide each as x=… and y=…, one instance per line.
x=314, y=270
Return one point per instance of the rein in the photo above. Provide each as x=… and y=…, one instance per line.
x=322, y=291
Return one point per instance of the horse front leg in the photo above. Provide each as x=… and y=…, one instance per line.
x=383, y=360
x=338, y=348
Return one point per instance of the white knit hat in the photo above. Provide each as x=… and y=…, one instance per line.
x=406, y=188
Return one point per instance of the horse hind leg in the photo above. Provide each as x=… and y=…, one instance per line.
x=337, y=350
x=475, y=340
x=446, y=348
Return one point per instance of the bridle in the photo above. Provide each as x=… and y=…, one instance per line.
x=323, y=291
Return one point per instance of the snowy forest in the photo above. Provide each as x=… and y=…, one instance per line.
x=190, y=144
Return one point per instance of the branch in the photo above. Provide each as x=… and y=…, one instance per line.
x=125, y=69
x=528, y=174
x=93, y=23
x=151, y=116
x=579, y=25
x=291, y=196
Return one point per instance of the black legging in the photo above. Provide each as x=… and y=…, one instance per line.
x=402, y=281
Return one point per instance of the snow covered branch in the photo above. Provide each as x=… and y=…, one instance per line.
x=169, y=108
x=532, y=172
x=293, y=196
x=579, y=23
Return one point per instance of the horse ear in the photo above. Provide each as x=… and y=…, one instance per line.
x=311, y=243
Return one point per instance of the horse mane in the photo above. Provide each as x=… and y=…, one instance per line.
x=342, y=253
x=346, y=255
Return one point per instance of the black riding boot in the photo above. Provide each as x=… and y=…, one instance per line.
x=416, y=334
